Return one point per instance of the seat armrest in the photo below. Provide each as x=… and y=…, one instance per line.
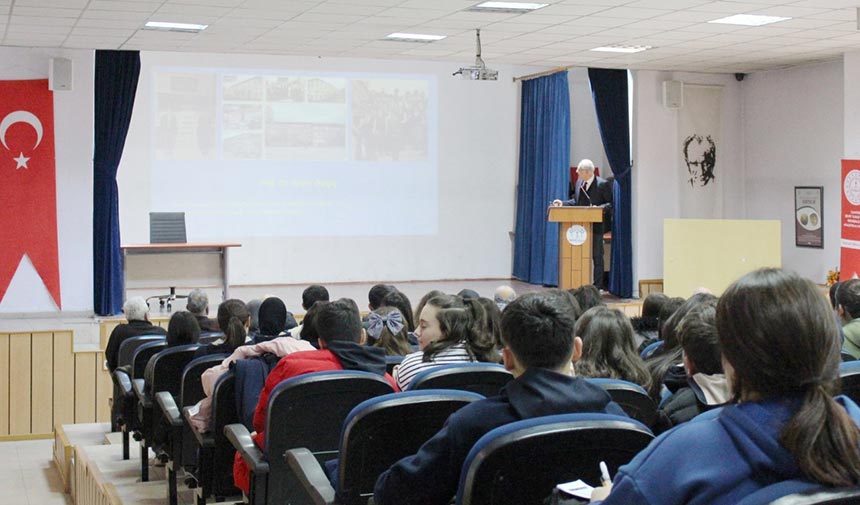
x=203, y=438
x=169, y=409
x=311, y=476
x=123, y=382
x=138, y=386
x=239, y=436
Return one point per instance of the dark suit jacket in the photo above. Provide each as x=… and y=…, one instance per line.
x=599, y=194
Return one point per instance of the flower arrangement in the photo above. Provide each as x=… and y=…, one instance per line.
x=832, y=277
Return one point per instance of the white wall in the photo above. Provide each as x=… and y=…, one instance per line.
x=73, y=137
x=851, y=93
x=477, y=165
x=656, y=157
x=794, y=137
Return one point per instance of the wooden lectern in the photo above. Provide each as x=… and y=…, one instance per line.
x=574, y=243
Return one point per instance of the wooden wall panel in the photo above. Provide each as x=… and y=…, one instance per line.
x=19, y=383
x=4, y=384
x=104, y=390
x=64, y=378
x=85, y=387
x=42, y=380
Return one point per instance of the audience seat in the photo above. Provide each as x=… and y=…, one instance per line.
x=124, y=356
x=376, y=434
x=631, y=397
x=180, y=440
x=207, y=337
x=214, y=452
x=391, y=362
x=306, y=411
x=166, y=376
x=125, y=389
x=522, y=462
x=849, y=373
x=650, y=349
x=483, y=378
x=800, y=492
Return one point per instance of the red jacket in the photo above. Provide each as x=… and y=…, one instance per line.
x=292, y=365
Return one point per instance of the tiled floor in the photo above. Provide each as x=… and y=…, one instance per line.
x=28, y=475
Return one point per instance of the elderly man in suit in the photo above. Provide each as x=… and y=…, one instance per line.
x=597, y=192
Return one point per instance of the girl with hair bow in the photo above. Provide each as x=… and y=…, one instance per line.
x=386, y=328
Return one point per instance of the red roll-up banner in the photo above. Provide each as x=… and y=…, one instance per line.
x=28, y=192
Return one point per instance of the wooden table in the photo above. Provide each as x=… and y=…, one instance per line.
x=221, y=249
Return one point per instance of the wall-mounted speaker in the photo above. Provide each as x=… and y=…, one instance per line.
x=60, y=74
x=673, y=94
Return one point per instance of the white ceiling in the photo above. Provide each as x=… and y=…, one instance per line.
x=557, y=35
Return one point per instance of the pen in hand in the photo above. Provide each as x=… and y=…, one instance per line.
x=604, y=475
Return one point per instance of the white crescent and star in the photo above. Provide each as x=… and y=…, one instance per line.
x=21, y=116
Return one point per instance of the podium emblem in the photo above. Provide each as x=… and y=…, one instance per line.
x=576, y=235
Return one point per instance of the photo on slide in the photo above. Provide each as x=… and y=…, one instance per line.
x=185, y=115
x=305, y=119
x=389, y=119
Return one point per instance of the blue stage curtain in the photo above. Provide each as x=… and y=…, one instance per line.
x=609, y=89
x=544, y=175
x=116, y=74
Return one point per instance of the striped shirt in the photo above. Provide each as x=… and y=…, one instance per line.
x=414, y=363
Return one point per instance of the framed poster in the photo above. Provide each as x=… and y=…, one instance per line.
x=808, y=221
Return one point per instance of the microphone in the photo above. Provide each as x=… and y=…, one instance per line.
x=583, y=191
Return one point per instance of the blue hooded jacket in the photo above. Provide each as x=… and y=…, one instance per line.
x=719, y=457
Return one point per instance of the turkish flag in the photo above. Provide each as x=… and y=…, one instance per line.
x=28, y=191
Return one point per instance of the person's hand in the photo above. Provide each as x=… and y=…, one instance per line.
x=556, y=203
x=600, y=493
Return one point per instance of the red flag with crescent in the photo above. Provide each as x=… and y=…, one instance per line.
x=28, y=190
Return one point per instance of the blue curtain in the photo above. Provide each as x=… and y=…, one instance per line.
x=544, y=175
x=609, y=89
x=116, y=74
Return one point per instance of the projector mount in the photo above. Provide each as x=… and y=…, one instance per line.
x=478, y=72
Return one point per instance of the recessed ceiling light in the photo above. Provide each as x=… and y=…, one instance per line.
x=507, y=7
x=414, y=37
x=622, y=49
x=175, y=27
x=749, y=20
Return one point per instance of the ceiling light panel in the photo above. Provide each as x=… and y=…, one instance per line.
x=175, y=26
x=749, y=20
x=621, y=49
x=512, y=7
x=413, y=37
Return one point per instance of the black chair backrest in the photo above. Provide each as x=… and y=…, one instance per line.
x=223, y=413
x=849, y=373
x=391, y=362
x=482, y=378
x=142, y=355
x=801, y=492
x=128, y=347
x=632, y=398
x=192, y=385
x=190, y=393
x=830, y=496
x=385, y=429
x=209, y=337
x=308, y=411
x=522, y=462
x=167, y=369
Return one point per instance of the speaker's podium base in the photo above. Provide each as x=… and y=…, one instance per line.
x=574, y=243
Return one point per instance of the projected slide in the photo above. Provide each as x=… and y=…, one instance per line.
x=247, y=153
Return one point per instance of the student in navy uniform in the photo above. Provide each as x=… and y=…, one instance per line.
x=538, y=334
x=776, y=334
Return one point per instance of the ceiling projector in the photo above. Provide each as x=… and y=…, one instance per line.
x=479, y=71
